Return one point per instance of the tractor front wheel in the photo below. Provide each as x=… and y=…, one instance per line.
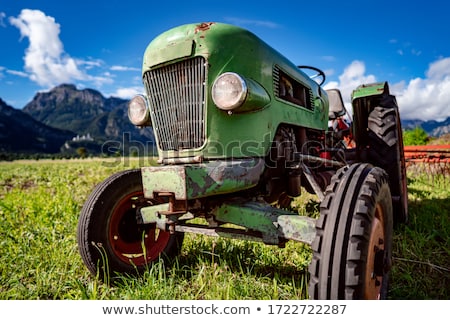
x=352, y=248
x=110, y=239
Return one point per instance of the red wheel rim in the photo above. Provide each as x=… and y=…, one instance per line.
x=132, y=243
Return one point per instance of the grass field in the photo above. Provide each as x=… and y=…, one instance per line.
x=40, y=203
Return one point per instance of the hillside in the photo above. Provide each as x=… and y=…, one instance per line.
x=20, y=133
x=89, y=114
x=432, y=128
x=66, y=118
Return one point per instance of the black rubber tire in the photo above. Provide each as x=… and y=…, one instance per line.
x=355, y=213
x=386, y=151
x=110, y=240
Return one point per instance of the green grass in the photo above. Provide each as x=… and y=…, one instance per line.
x=422, y=247
x=40, y=203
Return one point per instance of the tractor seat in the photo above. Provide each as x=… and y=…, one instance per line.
x=337, y=108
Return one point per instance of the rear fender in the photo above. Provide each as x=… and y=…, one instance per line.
x=364, y=99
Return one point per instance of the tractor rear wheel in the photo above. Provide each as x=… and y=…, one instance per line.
x=386, y=151
x=352, y=248
x=109, y=238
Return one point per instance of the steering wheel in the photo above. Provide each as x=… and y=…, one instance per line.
x=314, y=73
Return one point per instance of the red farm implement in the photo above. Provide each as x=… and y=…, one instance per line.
x=429, y=159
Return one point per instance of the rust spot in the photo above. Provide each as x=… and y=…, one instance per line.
x=203, y=26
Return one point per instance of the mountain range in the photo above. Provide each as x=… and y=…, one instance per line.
x=432, y=128
x=21, y=133
x=65, y=119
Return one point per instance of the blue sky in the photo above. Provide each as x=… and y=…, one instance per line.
x=99, y=44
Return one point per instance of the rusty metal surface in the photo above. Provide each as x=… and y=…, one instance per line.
x=428, y=153
x=297, y=228
x=276, y=225
x=223, y=135
x=151, y=214
x=255, y=216
x=170, y=179
x=201, y=180
x=431, y=160
x=255, y=221
x=229, y=233
x=204, y=26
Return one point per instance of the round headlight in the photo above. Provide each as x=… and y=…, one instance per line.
x=138, y=112
x=229, y=91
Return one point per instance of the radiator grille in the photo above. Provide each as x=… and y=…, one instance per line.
x=176, y=95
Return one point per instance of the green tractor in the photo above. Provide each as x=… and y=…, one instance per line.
x=240, y=132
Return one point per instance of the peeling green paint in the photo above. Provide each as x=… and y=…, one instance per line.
x=228, y=48
x=260, y=220
x=297, y=228
x=252, y=215
x=273, y=223
x=152, y=214
x=194, y=181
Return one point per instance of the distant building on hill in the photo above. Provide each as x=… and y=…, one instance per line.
x=84, y=137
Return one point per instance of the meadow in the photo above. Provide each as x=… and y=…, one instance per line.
x=40, y=202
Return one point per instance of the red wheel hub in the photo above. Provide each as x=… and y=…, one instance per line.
x=131, y=242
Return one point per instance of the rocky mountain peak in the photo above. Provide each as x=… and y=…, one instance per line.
x=64, y=95
x=67, y=107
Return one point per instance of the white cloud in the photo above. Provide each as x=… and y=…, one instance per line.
x=90, y=63
x=46, y=62
x=329, y=72
x=329, y=58
x=108, y=74
x=258, y=23
x=128, y=93
x=426, y=98
x=353, y=76
x=99, y=81
x=123, y=68
x=416, y=52
x=421, y=98
x=439, y=69
x=2, y=16
x=18, y=73
x=45, y=58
